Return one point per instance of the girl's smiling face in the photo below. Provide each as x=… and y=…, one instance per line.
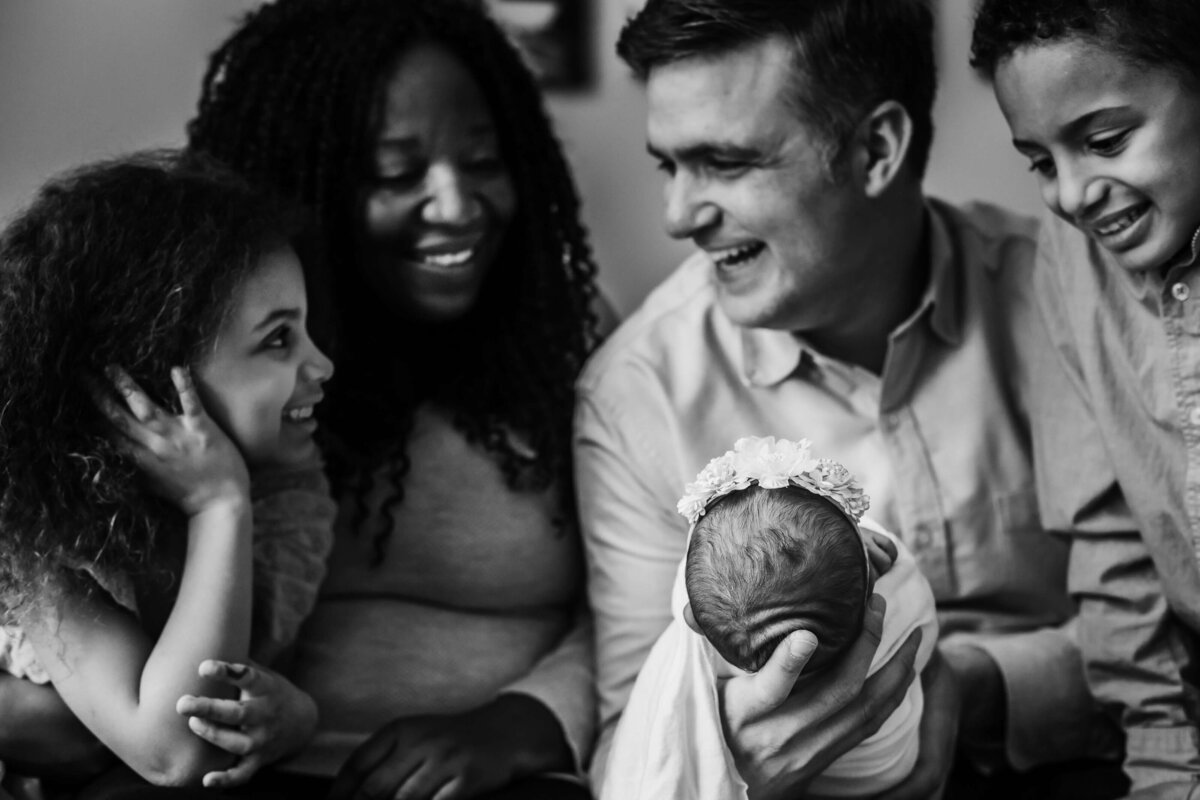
x=1115, y=145
x=263, y=374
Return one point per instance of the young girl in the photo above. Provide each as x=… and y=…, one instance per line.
x=125, y=528
x=1103, y=98
x=777, y=544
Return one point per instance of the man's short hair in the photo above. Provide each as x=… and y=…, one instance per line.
x=850, y=55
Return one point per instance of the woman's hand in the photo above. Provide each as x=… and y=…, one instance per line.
x=188, y=458
x=449, y=756
x=270, y=719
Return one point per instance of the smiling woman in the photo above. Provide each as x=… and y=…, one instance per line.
x=449, y=653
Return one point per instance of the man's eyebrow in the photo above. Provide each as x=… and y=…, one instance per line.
x=704, y=151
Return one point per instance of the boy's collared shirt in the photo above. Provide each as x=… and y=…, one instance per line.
x=940, y=443
x=1118, y=453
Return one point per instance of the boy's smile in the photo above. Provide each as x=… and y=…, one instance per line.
x=1115, y=145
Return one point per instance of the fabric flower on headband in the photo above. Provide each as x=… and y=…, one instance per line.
x=772, y=464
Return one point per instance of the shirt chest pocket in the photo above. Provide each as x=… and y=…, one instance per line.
x=995, y=558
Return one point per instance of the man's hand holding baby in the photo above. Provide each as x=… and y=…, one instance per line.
x=782, y=736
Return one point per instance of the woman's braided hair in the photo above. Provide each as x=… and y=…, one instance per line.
x=291, y=100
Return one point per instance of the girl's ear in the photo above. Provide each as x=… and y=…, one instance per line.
x=690, y=619
x=882, y=138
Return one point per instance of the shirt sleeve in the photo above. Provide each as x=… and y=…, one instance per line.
x=293, y=534
x=1134, y=652
x=633, y=540
x=1051, y=715
x=562, y=682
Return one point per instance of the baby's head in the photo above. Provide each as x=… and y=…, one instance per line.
x=775, y=548
x=1103, y=97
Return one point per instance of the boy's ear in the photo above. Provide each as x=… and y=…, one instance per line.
x=690, y=619
x=882, y=140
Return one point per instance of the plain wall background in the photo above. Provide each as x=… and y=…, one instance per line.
x=82, y=79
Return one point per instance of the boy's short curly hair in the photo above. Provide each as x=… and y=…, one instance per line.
x=1160, y=33
x=129, y=262
x=763, y=563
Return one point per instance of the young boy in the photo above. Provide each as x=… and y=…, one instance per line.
x=1103, y=97
x=777, y=544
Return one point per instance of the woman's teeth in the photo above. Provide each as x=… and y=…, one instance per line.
x=298, y=414
x=448, y=259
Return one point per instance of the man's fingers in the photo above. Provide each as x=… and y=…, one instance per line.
x=882, y=693
x=773, y=683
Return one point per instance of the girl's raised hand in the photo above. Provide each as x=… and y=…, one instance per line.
x=270, y=719
x=188, y=458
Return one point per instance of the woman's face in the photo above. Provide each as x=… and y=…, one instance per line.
x=437, y=196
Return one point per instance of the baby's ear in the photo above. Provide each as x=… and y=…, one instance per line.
x=690, y=619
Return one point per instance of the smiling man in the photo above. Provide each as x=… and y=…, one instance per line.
x=829, y=299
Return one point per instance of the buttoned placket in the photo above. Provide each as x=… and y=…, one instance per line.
x=918, y=499
x=1179, y=309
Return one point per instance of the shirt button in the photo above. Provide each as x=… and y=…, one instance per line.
x=1180, y=291
x=1194, y=415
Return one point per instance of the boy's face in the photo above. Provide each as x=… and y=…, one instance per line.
x=263, y=375
x=1115, y=145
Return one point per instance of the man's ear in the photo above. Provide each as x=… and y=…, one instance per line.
x=690, y=619
x=882, y=139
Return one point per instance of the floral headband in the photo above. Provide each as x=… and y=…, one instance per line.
x=772, y=464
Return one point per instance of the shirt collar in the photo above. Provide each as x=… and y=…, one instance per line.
x=1187, y=255
x=771, y=356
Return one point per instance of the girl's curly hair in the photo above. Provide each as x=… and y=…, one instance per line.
x=292, y=100
x=129, y=262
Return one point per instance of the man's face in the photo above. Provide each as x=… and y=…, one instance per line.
x=748, y=181
x=1115, y=146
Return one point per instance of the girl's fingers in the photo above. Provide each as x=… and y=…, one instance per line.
x=142, y=407
x=243, y=676
x=233, y=713
x=239, y=773
x=189, y=400
x=231, y=740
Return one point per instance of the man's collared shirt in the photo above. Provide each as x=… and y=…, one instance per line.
x=940, y=444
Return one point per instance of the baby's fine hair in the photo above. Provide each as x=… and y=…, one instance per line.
x=1156, y=33
x=762, y=559
x=130, y=262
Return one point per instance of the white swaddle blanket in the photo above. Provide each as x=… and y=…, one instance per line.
x=669, y=742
